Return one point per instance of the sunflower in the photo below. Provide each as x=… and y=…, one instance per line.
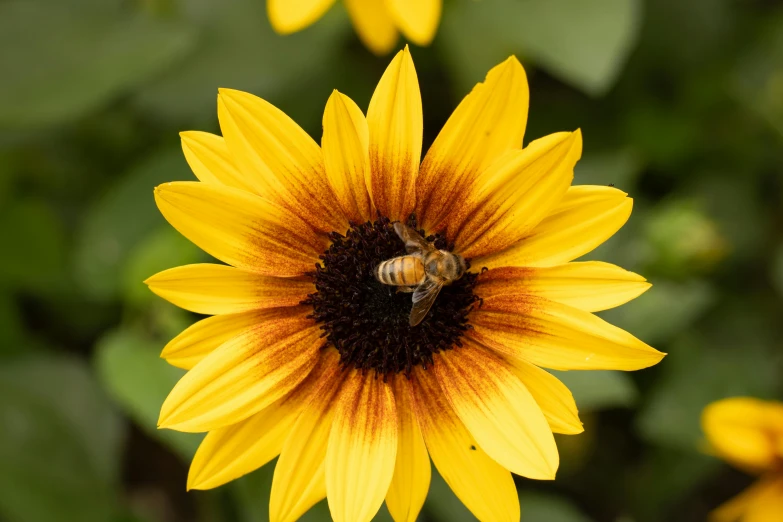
x=309, y=358
x=377, y=22
x=748, y=433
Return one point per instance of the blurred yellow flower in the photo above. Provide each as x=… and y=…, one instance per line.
x=748, y=434
x=376, y=21
x=309, y=357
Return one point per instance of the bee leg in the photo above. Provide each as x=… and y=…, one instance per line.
x=406, y=289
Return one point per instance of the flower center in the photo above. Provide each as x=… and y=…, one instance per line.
x=367, y=321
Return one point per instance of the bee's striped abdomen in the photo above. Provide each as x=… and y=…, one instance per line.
x=400, y=271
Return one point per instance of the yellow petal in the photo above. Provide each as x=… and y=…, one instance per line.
x=412, y=470
x=219, y=289
x=230, y=452
x=746, y=432
x=300, y=479
x=489, y=122
x=240, y=228
x=396, y=126
x=345, y=143
x=483, y=485
x=761, y=502
x=289, y=16
x=514, y=194
x=210, y=160
x=362, y=448
x=557, y=336
x=198, y=340
x=246, y=374
x=553, y=397
x=586, y=217
x=373, y=24
x=589, y=285
x=498, y=410
x=283, y=161
x=768, y=504
x=416, y=19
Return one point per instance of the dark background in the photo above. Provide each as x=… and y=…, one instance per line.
x=680, y=103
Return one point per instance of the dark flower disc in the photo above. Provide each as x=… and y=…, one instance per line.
x=366, y=320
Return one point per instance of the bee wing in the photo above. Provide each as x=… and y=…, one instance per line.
x=423, y=297
x=412, y=239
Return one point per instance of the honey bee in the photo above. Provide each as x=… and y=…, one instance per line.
x=423, y=271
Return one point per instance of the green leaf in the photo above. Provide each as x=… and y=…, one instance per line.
x=60, y=443
x=239, y=49
x=597, y=390
x=537, y=507
x=120, y=220
x=61, y=60
x=36, y=256
x=583, y=43
x=139, y=380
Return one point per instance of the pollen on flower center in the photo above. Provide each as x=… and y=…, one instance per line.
x=368, y=321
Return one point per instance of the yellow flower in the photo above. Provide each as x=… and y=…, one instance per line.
x=376, y=21
x=748, y=434
x=309, y=357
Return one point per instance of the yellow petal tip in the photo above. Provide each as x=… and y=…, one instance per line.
x=162, y=421
x=335, y=96
x=549, y=475
x=187, y=135
x=192, y=482
x=655, y=358
x=162, y=188
x=224, y=93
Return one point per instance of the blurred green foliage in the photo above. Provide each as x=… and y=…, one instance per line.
x=681, y=105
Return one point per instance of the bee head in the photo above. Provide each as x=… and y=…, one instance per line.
x=451, y=266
